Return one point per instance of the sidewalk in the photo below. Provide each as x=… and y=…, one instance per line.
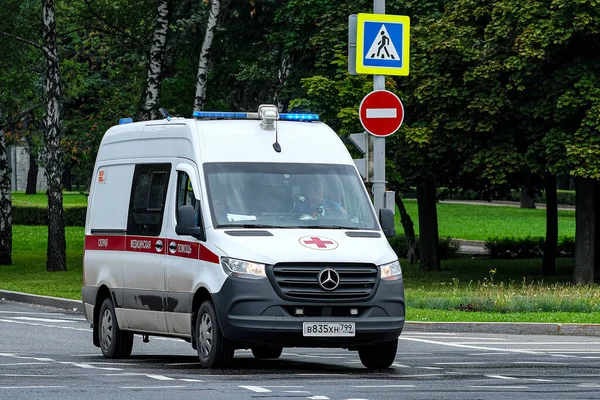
x=507, y=328
x=499, y=203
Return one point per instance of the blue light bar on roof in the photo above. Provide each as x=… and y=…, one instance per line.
x=125, y=121
x=298, y=117
x=219, y=115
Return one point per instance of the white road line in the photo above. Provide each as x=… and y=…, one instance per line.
x=589, y=385
x=256, y=389
x=283, y=387
x=40, y=319
x=190, y=380
x=296, y=391
x=384, y=386
x=539, y=362
x=31, y=387
x=31, y=313
x=430, y=367
x=530, y=343
x=26, y=357
x=30, y=376
x=468, y=347
x=72, y=328
x=428, y=334
x=398, y=365
x=499, y=387
x=23, y=363
x=318, y=398
x=515, y=378
x=152, y=387
x=463, y=363
x=159, y=377
x=88, y=366
x=381, y=113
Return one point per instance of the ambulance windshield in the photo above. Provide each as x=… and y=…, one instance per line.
x=282, y=195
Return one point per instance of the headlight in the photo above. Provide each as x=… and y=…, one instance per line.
x=243, y=269
x=391, y=271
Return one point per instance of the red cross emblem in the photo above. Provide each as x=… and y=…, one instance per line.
x=318, y=243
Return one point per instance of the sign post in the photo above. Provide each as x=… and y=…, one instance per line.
x=382, y=45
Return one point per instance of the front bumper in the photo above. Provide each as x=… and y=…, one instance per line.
x=251, y=313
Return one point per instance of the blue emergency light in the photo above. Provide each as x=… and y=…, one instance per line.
x=125, y=121
x=243, y=115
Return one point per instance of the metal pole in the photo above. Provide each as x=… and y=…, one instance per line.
x=378, y=142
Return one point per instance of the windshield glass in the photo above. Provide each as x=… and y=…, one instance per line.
x=276, y=195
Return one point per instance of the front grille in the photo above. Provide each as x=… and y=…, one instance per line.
x=300, y=281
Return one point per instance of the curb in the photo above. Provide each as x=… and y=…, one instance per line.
x=508, y=328
x=56, y=302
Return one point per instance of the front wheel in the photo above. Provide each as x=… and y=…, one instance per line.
x=214, y=350
x=114, y=342
x=263, y=352
x=379, y=356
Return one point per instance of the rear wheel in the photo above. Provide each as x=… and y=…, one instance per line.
x=379, y=356
x=214, y=350
x=264, y=352
x=114, y=342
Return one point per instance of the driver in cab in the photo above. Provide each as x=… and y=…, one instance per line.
x=313, y=202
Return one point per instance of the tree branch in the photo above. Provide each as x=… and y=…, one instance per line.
x=31, y=43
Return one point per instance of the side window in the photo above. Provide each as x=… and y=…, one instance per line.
x=185, y=193
x=147, y=202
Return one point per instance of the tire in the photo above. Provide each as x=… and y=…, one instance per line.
x=379, y=356
x=214, y=351
x=264, y=352
x=114, y=342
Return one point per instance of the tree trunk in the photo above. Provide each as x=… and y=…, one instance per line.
x=409, y=231
x=282, y=75
x=5, y=206
x=527, y=197
x=53, y=157
x=585, y=232
x=201, y=77
x=32, y=173
x=429, y=241
x=157, y=54
x=550, y=248
x=597, y=228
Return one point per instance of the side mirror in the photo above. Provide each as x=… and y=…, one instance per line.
x=186, y=223
x=386, y=219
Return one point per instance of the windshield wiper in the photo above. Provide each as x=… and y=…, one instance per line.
x=249, y=226
x=330, y=227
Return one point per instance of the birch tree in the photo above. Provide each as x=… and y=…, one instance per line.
x=155, y=62
x=5, y=204
x=53, y=154
x=201, y=76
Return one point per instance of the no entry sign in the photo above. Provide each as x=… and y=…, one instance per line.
x=381, y=113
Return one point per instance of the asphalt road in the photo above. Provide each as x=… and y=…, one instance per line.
x=47, y=353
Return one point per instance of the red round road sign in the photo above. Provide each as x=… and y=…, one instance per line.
x=381, y=113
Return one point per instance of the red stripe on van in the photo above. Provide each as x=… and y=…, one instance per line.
x=105, y=242
x=180, y=248
x=207, y=255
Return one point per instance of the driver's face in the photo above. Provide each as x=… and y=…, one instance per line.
x=314, y=194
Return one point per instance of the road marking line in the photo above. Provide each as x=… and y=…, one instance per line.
x=531, y=343
x=45, y=325
x=518, y=378
x=159, y=377
x=283, y=387
x=31, y=387
x=539, y=362
x=256, y=389
x=398, y=365
x=318, y=398
x=430, y=367
x=88, y=366
x=468, y=347
x=24, y=363
x=40, y=319
x=190, y=380
x=152, y=387
x=499, y=387
x=385, y=386
x=296, y=391
x=27, y=357
x=463, y=363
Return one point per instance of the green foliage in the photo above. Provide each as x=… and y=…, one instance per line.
x=529, y=247
x=448, y=247
x=35, y=215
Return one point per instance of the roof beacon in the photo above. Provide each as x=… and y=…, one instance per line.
x=264, y=113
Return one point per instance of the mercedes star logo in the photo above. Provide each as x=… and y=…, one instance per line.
x=329, y=279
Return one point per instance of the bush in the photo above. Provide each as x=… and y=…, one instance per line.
x=530, y=247
x=32, y=215
x=448, y=247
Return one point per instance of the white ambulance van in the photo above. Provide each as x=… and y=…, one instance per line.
x=238, y=231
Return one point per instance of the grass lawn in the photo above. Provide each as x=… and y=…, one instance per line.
x=467, y=289
x=40, y=199
x=479, y=222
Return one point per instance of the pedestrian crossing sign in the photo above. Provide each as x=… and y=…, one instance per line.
x=383, y=44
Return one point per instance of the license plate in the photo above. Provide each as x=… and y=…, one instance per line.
x=328, y=329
